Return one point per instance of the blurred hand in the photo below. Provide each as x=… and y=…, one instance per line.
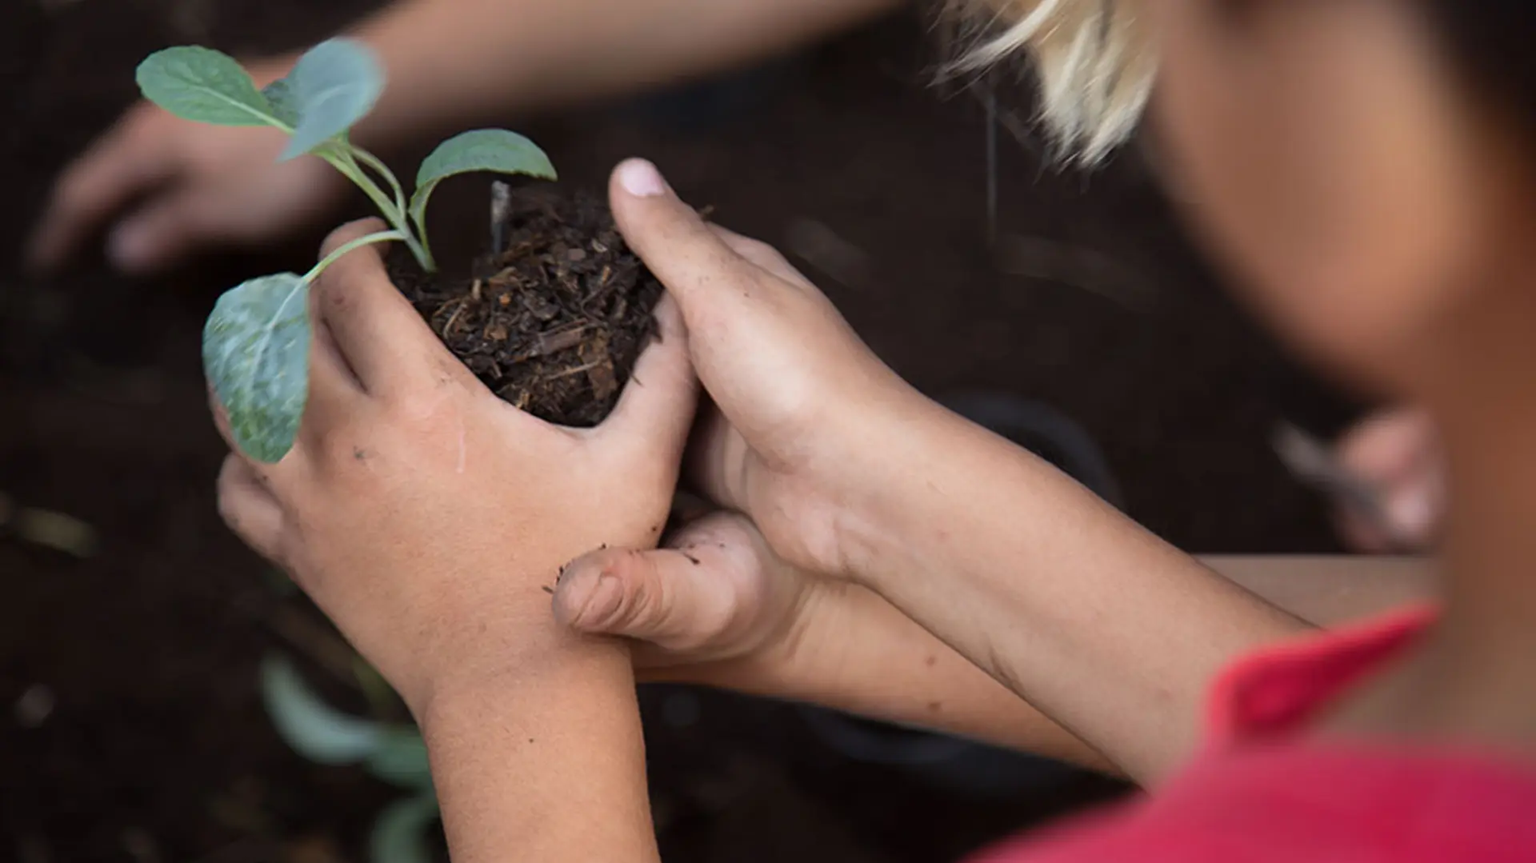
x=426, y=516
x=801, y=402
x=1395, y=452
x=170, y=186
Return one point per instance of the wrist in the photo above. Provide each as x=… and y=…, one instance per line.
x=510, y=660
x=885, y=479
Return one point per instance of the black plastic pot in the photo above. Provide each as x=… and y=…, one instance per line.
x=957, y=764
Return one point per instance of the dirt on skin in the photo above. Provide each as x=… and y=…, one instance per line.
x=555, y=322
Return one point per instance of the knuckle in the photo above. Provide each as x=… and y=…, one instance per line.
x=229, y=510
x=646, y=604
x=761, y=252
x=421, y=409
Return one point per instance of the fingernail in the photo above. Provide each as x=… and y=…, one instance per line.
x=1412, y=511
x=128, y=247
x=641, y=179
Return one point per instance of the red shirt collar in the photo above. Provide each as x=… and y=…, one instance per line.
x=1277, y=689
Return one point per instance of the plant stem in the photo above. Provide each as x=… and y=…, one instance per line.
x=342, y=160
x=378, y=237
x=374, y=162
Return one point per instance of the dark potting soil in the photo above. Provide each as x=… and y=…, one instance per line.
x=555, y=322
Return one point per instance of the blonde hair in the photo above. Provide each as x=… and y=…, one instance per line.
x=1093, y=61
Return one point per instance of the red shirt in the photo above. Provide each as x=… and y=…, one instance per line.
x=1262, y=792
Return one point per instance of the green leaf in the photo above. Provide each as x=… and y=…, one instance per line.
x=400, y=833
x=311, y=727
x=332, y=86
x=401, y=759
x=256, y=356
x=279, y=96
x=204, y=85
x=481, y=150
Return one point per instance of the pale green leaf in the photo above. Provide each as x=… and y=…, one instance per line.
x=480, y=150
x=333, y=85
x=279, y=96
x=400, y=833
x=311, y=727
x=401, y=759
x=256, y=356
x=204, y=85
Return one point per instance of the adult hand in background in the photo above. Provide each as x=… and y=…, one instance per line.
x=163, y=188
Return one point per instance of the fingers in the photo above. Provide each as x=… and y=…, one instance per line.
x=120, y=166
x=696, y=596
x=334, y=389
x=763, y=255
x=1394, y=452
x=377, y=333
x=656, y=410
x=713, y=459
x=249, y=508
x=158, y=233
x=694, y=263
x=1388, y=446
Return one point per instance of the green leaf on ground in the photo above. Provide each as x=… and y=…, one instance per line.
x=311, y=727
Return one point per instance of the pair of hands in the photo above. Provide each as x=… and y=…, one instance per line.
x=207, y=186
x=427, y=517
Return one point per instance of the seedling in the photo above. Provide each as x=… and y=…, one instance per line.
x=256, y=341
x=391, y=752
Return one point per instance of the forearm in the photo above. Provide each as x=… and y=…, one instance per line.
x=853, y=651
x=545, y=762
x=1100, y=624
x=1331, y=590
x=453, y=63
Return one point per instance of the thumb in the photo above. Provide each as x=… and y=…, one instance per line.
x=695, y=264
x=655, y=413
x=701, y=599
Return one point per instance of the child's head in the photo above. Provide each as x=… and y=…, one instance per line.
x=1363, y=166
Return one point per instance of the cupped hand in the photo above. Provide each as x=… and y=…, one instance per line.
x=165, y=187
x=802, y=405
x=426, y=516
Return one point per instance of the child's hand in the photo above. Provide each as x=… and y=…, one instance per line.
x=1397, y=453
x=426, y=516
x=200, y=185
x=714, y=601
x=803, y=404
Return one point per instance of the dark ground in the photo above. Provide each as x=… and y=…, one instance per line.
x=156, y=748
